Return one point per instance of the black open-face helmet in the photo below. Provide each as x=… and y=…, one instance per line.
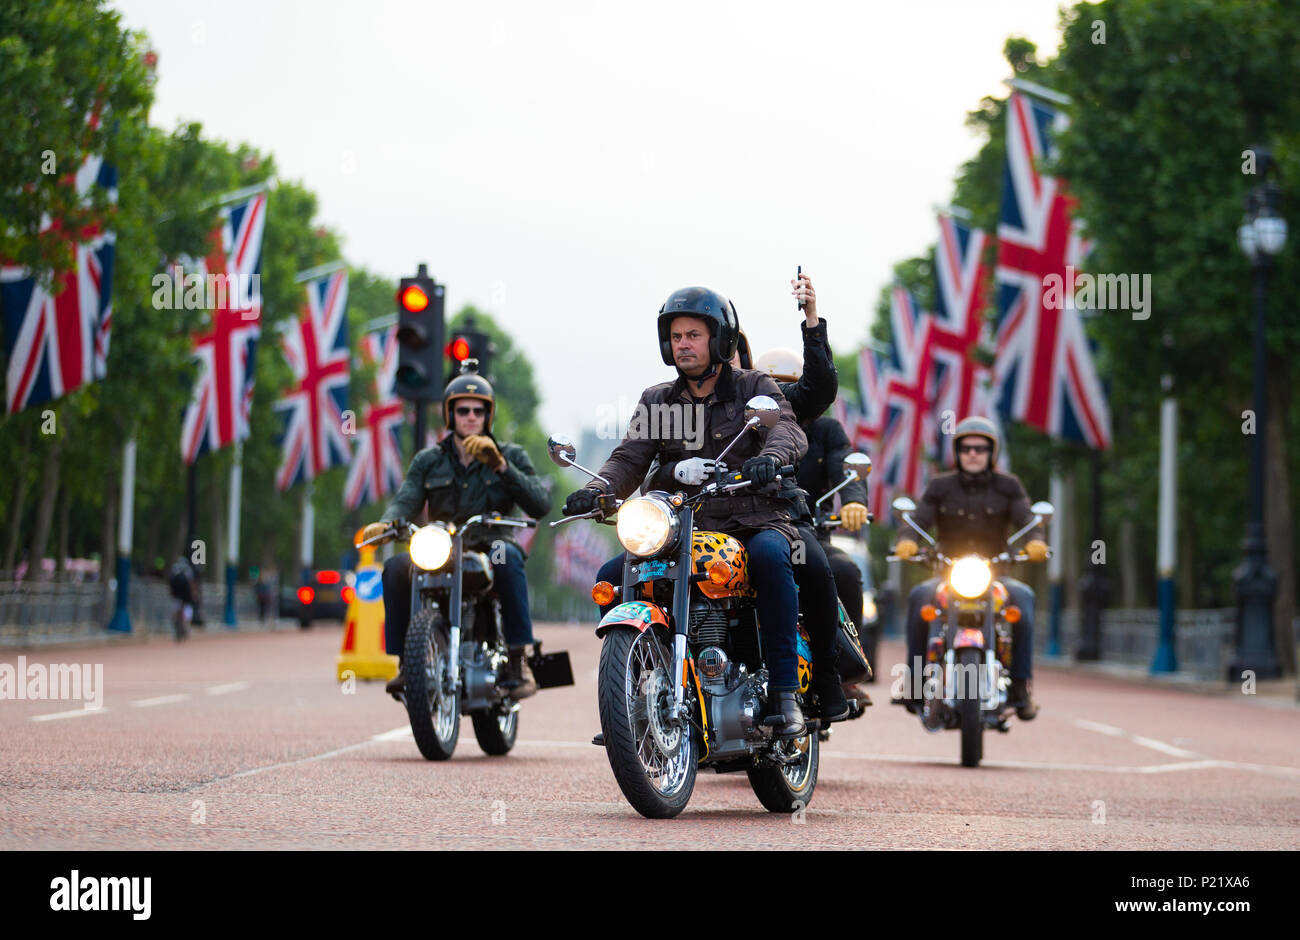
x=711, y=307
x=469, y=384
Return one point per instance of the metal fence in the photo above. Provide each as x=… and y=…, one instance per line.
x=1203, y=639
x=38, y=612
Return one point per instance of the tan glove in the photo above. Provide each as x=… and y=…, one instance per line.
x=374, y=530
x=1036, y=549
x=853, y=516
x=483, y=449
x=905, y=548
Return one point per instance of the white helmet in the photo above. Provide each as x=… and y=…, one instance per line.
x=783, y=365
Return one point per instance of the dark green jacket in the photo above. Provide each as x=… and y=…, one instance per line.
x=454, y=492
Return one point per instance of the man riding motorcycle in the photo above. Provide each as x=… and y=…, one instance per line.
x=697, y=330
x=975, y=507
x=810, y=391
x=469, y=472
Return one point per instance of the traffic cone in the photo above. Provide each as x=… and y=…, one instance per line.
x=363, y=638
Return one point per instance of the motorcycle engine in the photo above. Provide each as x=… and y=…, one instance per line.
x=735, y=715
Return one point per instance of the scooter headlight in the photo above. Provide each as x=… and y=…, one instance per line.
x=970, y=576
x=430, y=547
x=646, y=526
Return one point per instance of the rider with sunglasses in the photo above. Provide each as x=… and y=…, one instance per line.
x=975, y=508
x=466, y=474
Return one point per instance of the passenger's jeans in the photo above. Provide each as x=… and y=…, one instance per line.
x=1022, y=632
x=772, y=575
x=511, y=587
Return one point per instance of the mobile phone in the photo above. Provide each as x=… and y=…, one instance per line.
x=798, y=270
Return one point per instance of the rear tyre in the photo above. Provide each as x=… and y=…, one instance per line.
x=968, y=707
x=496, y=732
x=653, y=760
x=788, y=788
x=434, y=710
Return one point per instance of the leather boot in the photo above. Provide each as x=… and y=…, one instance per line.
x=787, y=706
x=398, y=682
x=518, y=682
x=1021, y=695
x=831, y=703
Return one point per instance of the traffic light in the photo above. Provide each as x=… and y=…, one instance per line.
x=469, y=343
x=419, y=337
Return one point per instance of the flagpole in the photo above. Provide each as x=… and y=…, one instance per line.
x=1166, y=658
x=1055, y=564
x=121, y=621
x=232, y=539
x=320, y=270
x=305, y=550
x=1039, y=91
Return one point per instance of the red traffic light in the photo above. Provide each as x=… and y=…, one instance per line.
x=458, y=349
x=413, y=299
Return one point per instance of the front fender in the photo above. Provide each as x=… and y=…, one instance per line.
x=638, y=614
x=968, y=638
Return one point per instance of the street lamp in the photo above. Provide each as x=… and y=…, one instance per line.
x=1261, y=235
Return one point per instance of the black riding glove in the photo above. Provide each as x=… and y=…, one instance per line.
x=760, y=469
x=581, y=502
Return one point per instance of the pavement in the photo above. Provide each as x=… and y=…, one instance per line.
x=247, y=741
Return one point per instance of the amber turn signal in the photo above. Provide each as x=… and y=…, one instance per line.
x=929, y=612
x=602, y=592
x=720, y=572
x=1012, y=614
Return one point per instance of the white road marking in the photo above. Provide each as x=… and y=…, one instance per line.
x=1099, y=727
x=160, y=700
x=76, y=713
x=396, y=734
x=227, y=688
x=1137, y=739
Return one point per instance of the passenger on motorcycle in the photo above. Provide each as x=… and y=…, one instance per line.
x=976, y=508
x=469, y=472
x=697, y=331
x=810, y=387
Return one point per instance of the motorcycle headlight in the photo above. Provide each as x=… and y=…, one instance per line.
x=970, y=576
x=646, y=526
x=430, y=547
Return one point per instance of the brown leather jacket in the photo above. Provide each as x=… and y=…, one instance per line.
x=975, y=513
x=652, y=434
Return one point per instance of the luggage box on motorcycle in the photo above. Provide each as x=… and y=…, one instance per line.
x=550, y=669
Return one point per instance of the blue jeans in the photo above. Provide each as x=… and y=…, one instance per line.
x=1022, y=633
x=772, y=575
x=508, y=578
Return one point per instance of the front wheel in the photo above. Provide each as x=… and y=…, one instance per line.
x=789, y=787
x=970, y=665
x=432, y=706
x=652, y=756
x=496, y=732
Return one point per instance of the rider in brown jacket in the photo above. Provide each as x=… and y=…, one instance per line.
x=697, y=334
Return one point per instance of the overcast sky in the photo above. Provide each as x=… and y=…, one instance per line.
x=566, y=166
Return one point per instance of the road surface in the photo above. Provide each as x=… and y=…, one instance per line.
x=247, y=741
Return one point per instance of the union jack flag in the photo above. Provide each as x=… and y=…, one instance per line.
x=376, y=467
x=217, y=414
x=57, y=342
x=316, y=346
x=908, y=397
x=580, y=550
x=1044, y=365
x=958, y=327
